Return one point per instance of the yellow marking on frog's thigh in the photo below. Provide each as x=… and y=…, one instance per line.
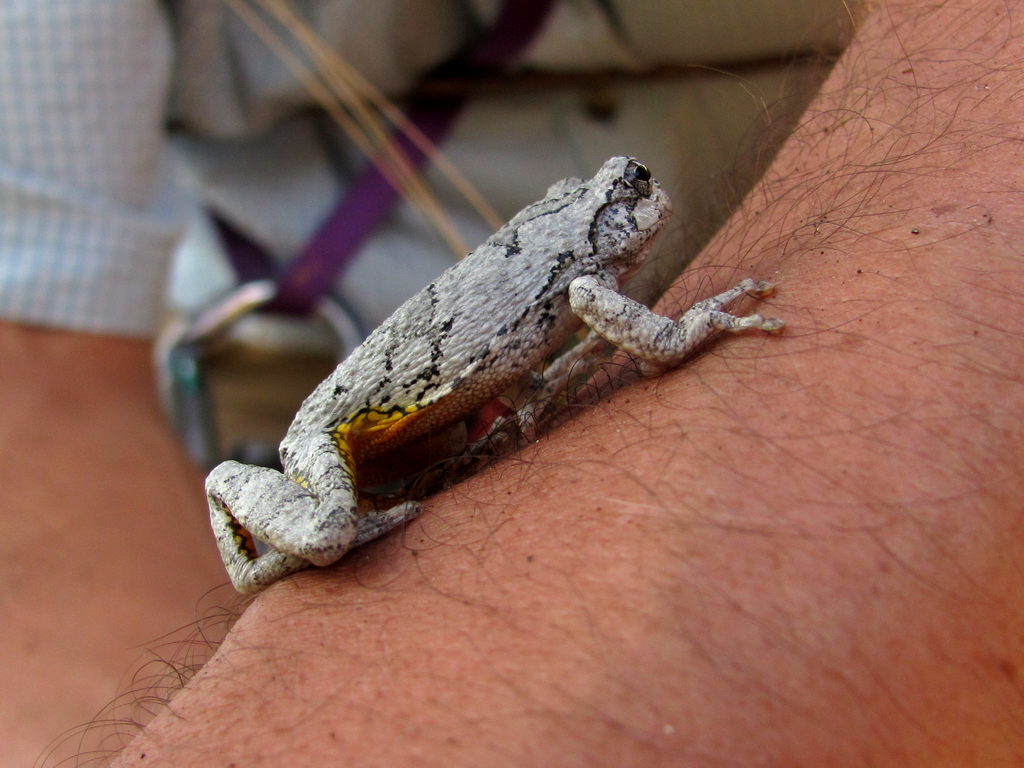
x=374, y=427
x=244, y=541
x=369, y=421
x=360, y=426
x=340, y=437
x=373, y=420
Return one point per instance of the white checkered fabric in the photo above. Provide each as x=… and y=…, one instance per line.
x=85, y=233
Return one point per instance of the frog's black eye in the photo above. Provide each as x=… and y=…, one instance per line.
x=638, y=177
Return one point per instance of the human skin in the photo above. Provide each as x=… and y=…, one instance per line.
x=796, y=550
x=85, y=450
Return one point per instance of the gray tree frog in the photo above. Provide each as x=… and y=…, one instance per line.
x=484, y=325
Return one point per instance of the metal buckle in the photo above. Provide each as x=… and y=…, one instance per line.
x=184, y=346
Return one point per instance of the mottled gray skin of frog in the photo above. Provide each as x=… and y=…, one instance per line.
x=484, y=325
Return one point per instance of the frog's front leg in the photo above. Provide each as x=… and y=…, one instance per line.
x=304, y=521
x=659, y=341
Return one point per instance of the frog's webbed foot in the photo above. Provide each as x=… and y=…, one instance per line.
x=553, y=390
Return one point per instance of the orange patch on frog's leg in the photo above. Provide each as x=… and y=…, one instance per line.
x=394, y=445
x=410, y=458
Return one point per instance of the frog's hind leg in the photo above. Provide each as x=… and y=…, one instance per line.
x=255, y=504
x=249, y=570
x=309, y=520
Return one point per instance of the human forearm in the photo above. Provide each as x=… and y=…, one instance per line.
x=799, y=549
x=105, y=544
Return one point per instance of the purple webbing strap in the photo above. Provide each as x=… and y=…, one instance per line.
x=359, y=212
x=371, y=197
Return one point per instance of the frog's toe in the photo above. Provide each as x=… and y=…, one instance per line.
x=379, y=521
x=251, y=576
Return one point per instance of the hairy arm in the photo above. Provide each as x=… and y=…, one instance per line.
x=87, y=576
x=802, y=550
